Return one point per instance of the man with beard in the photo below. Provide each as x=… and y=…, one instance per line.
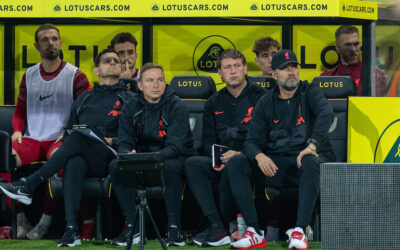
x=46, y=93
x=348, y=47
x=288, y=137
x=82, y=155
x=125, y=45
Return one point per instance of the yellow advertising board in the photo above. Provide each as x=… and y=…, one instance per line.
x=314, y=46
x=1, y=65
x=193, y=49
x=373, y=130
x=194, y=8
x=80, y=44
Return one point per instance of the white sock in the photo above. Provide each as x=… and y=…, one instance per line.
x=21, y=219
x=91, y=220
x=45, y=220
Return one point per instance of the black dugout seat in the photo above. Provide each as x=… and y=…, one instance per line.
x=337, y=89
x=194, y=91
x=267, y=82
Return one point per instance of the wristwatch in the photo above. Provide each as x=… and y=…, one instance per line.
x=114, y=141
x=314, y=142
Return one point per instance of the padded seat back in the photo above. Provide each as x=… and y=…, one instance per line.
x=337, y=89
x=93, y=187
x=6, y=113
x=267, y=82
x=194, y=91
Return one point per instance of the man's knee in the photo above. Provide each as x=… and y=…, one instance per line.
x=239, y=164
x=310, y=164
x=195, y=165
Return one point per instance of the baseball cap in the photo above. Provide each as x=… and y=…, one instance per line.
x=283, y=58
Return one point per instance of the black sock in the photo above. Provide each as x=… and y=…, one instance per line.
x=215, y=219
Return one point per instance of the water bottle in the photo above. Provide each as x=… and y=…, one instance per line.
x=242, y=227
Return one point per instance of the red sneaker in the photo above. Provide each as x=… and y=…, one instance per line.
x=87, y=231
x=297, y=239
x=250, y=239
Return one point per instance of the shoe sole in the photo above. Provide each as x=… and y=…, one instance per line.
x=75, y=243
x=21, y=198
x=199, y=243
x=296, y=248
x=176, y=244
x=224, y=241
x=259, y=245
x=135, y=241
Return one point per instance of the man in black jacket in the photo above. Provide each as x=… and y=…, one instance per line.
x=288, y=136
x=156, y=120
x=226, y=118
x=80, y=154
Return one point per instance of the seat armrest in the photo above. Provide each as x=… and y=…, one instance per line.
x=6, y=159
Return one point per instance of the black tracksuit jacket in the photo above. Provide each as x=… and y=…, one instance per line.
x=100, y=109
x=162, y=127
x=226, y=118
x=282, y=127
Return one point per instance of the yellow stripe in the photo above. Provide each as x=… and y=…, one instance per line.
x=266, y=195
x=109, y=190
x=51, y=194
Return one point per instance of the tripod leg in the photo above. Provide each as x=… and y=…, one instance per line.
x=129, y=242
x=162, y=242
x=141, y=227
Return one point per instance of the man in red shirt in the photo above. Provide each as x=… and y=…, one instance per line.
x=46, y=93
x=348, y=47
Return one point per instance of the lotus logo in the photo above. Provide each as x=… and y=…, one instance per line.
x=57, y=8
x=344, y=7
x=155, y=7
x=254, y=7
x=389, y=139
x=207, y=51
x=208, y=61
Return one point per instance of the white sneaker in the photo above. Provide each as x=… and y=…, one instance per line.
x=38, y=232
x=250, y=239
x=22, y=230
x=297, y=239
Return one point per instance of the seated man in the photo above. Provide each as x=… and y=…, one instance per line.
x=46, y=94
x=227, y=116
x=265, y=48
x=155, y=121
x=288, y=136
x=81, y=155
x=125, y=45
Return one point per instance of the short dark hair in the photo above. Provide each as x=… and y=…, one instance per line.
x=46, y=26
x=230, y=53
x=123, y=37
x=104, y=51
x=149, y=66
x=345, y=29
x=265, y=43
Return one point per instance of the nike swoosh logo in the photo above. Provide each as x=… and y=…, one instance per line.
x=21, y=193
x=219, y=112
x=276, y=121
x=41, y=98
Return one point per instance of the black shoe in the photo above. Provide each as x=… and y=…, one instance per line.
x=122, y=239
x=70, y=238
x=17, y=190
x=175, y=237
x=201, y=237
x=217, y=236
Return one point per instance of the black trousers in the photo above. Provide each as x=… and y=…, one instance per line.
x=126, y=196
x=201, y=177
x=240, y=171
x=80, y=156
